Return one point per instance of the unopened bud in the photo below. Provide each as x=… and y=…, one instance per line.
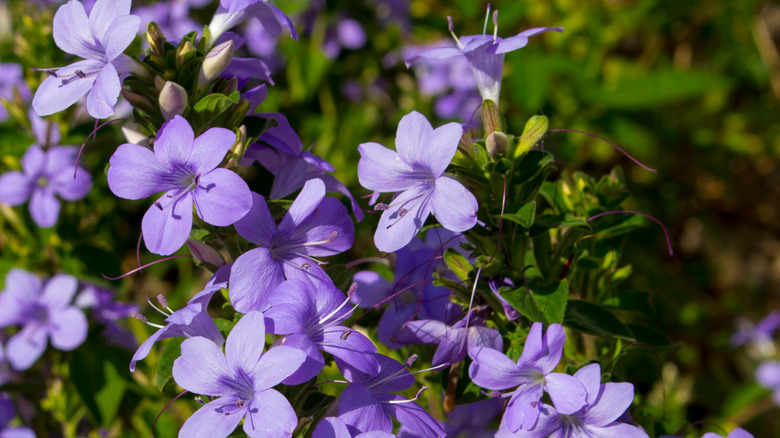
x=491, y=118
x=237, y=150
x=173, y=100
x=155, y=38
x=216, y=62
x=205, y=254
x=496, y=143
x=136, y=99
x=534, y=130
x=185, y=52
x=229, y=86
x=159, y=83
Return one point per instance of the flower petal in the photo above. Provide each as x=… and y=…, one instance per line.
x=361, y=409
x=352, y=347
x=57, y=93
x=222, y=197
x=414, y=417
x=174, y=142
x=104, y=94
x=68, y=328
x=166, y=230
x=452, y=347
x=522, y=411
x=102, y=16
x=308, y=200
x=210, y=148
x=329, y=224
x=313, y=363
x=292, y=308
x=202, y=368
x=135, y=173
x=34, y=162
x=59, y=291
x=254, y=274
x=331, y=427
x=44, y=207
x=72, y=34
x=453, y=205
x=590, y=376
x=270, y=415
x=382, y=170
x=567, y=393
x=520, y=40
x=624, y=430
x=439, y=148
x=257, y=225
x=491, y=369
x=210, y=421
x=275, y=365
x=410, y=139
x=123, y=32
x=481, y=336
x=246, y=342
x=21, y=292
x=15, y=188
x=372, y=288
x=404, y=219
x=25, y=347
x=614, y=399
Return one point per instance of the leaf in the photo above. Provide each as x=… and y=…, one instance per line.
x=545, y=304
x=341, y=275
x=524, y=216
x=170, y=353
x=632, y=301
x=99, y=383
x=224, y=326
x=531, y=164
x=206, y=113
x=458, y=264
x=596, y=320
x=650, y=336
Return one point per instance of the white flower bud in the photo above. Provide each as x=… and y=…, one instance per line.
x=173, y=100
x=216, y=62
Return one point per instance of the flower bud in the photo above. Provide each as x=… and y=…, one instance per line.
x=491, y=118
x=496, y=143
x=534, y=130
x=155, y=38
x=173, y=100
x=205, y=254
x=216, y=62
x=184, y=53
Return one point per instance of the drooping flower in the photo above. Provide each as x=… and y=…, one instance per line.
x=312, y=320
x=368, y=403
x=45, y=175
x=416, y=170
x=485, y=54
x=100, y=39
x=193, y=320
x=605, y=404
x=493, y=370
x=232, y=12
x=44, y=311
x=242, y=379
x=314, y=226
x=185, y=168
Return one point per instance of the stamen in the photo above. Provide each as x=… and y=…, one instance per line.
x=199, y=399
x=452, y=32
x=495, y=26
x=331, y=237
x=145, y=321
x=157, y=308
x=410, y=361
x=51, y=73
x=144, y=266
x=336, y=311
x=608, y=142
x=487, y=16
x=381, y=206
x=345, y=335
x=80, y=74
x=417, y=396
x=163, y=302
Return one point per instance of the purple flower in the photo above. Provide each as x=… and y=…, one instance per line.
x=335, y=427
x=312, y=320
x=348, y=33
x=242, y=379
x=736, y=433
x=759, y=335
x=45, y=175
x=106, y=311
x=7, y=413
x=472, y=419
x=186, y=169
x=314, y=226
x=232, y=12
x=605, y=404
x=173, y=17
x=44, y=311
x=533, y=372
x=192, y=320
x=368, y=402
x=497, y=283
x=100, y=39
x=416, y=170
x=11, y=79
x=768, y=376
x=485, y=54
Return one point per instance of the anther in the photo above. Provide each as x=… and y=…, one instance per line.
x=402, y=212
x=306, y=266
x=163, y=302
x=158, y=205
x=381, y=206
x=411, y=360
x=141, y=317
x=80, y=74
x=240, y=403
x=452, y=32
x=352, y=289
x=345, y=335
x=51, y=73
x=495, y=26
x=199, y=399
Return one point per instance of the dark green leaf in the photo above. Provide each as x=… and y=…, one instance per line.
x=99, y=382
x=458, y=264
x=545, y=304
x=650, y=336
x=591, y=318
x=632, y=301
x=169, y=354
x=210, y=110
x=524, y=216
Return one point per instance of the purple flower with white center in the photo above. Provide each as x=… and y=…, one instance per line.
x=44, y=311
x=100, y=39
x=736, y=433
x=758, y=336
x=232, y=12
x=606, y=403
x=335, y=427
x=314, y=226
x=768, y=376
x=106, y=311
x=368, y=402
x=456, y=340
x=416, y=170
x=312, y=318
x=485, y=54
x=493, y=370
x=7, y=413
x=11, y=80
x=193, y=320
x=185, y=168
x=46, y=174
x=242, y=378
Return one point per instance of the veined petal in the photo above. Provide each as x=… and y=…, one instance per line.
x=567, y=393
x=329, y=224
x=481, y=336
x=308, y=200
x=25, y=347
x=520, y=40
x=44, y=207
x=361, y=409
x=491, y=369
x=105, y=92
x=103, y=14
x=614, y=399
x=15, y=188
x=257, y=226
x=292, y=307
x=414, y=417
x=174, y=142
x=246, y=342
x=427, y=331
x=270, y=415
x=166, y=230
x=58, y=93
x=382, y=170
x=211, y=421
x=68, y=328
x=436, y=53
x=210, y=148
x=522, y=411
x=222, y=197
x=275, y=365
x=372, y=288
x=254, y=274
x=452, y=347
x=354, y=349
x=548, y=423
x=202, y=368
x=590, y=377
x=453, y=205
x=59, y=291
x=72, y=34
x=123, y=31
x=404, y=219
x=331, y=427
x=624, y=430
x=439, y=147
x=410, y=138
x=313, y=363
x=135, y=172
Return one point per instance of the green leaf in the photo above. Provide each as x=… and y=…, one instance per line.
x=169, y=354
x=458, y=264
x=543, y=303
x=591, y=318
x=210, y=110
x=650, y=336
x=524, y=216
x=632, y=301
x=531, y=164
x=224, y=325
x=341, y=275
x=99, y=383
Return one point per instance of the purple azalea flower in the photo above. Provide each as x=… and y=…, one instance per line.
x=7, y=413
x=312, y=320
x=45, y=175
x=335, y=427
x=193, y=320
x=232, y=12
x=412, y=293
x=493, y=370
x=736, y=433
x=100, y=39
x=242, y=379
x=455, y=340
x=760, y=335
x=485, y=54
x=605, y=405
x=768, y=376
x=368, y=402
x=416, y=170
x=44, y=311
x=186, y=168
x=314, y=226
x=11, y=80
